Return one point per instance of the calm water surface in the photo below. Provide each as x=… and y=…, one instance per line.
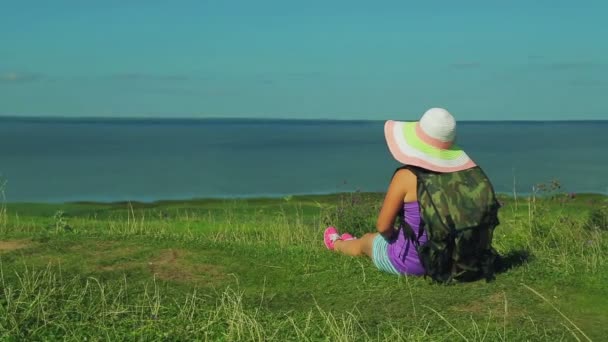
x=56, y=160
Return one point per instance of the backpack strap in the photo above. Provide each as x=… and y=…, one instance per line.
x=407, y=229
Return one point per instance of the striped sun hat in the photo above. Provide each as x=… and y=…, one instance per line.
x=427, y=143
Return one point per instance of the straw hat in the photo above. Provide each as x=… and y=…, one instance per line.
x=427, y=143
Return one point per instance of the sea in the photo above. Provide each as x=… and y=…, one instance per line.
x=64, y=160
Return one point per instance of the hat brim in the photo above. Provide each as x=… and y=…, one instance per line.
x=408, y=148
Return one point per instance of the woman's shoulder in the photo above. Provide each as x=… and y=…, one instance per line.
x=406, y=180
x=404, y=174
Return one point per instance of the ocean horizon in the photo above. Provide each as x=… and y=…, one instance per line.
x=51, y=159
x=244, y=119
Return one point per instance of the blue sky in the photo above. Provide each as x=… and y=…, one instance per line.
x=544, y=60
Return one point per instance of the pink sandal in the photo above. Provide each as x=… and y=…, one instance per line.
x=346, y=237
x=331, y=235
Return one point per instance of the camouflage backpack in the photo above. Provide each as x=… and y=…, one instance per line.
x=459, y=212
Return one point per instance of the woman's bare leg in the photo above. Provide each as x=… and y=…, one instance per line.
x=356, y=247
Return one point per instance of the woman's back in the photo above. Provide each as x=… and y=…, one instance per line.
x=402, y=252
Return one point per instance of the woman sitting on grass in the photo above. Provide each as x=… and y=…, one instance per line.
x=426, y=145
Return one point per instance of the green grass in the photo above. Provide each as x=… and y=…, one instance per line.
x=257, y=270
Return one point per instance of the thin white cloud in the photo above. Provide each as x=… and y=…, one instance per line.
x=572, y=65
x=588, y=83
x=19, y=77
x=136, y=76
x=465, y=65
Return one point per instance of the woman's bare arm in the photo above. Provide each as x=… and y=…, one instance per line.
x=393, y=202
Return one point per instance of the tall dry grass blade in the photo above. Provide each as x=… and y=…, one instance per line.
x=515, y=191
x=409, y=287
x=504, y=320
x=448, y=322
x=485, y=334
x=556, y=309
x=3, y=211
x=571, y=332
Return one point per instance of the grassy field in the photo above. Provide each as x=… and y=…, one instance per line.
x=258, y=270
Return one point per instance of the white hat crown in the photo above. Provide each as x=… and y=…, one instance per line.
x=439, y=124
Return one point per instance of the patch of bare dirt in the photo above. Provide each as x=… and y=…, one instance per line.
x=120, y=266
x=100, y=253
x=494, y=302
x=169, y=264
x=118, y=252
x=12, y=245
x=174, y=265
x=104, y=249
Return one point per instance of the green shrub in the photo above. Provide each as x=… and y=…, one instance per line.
x=598, y=219
x=355, y=213
x=60, y=222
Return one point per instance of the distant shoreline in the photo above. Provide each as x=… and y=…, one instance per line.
x=245, y=120
x=254, y=198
